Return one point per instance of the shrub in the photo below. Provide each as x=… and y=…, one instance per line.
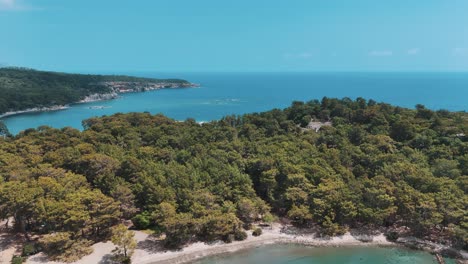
x=247, y=226
x=29, y=249
x=257, y=232
x=229, y=238
x=142, y=221
x=240, y=235
x=17, y=260
x=330, y=228
x=392, y=235
x=78, y=250
x=55, y=244
x=59, y=247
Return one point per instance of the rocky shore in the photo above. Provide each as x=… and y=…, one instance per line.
x=99, y=97
x=435, y=248
x=131, y=87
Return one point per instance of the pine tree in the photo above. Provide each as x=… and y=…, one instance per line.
x=125, y=241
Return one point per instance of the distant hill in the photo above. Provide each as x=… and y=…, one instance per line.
x=22, y=88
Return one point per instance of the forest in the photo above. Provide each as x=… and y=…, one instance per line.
x=23, y=88
x=376, y=166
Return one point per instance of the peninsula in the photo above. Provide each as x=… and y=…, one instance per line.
x=27, y=90
x=397, y=174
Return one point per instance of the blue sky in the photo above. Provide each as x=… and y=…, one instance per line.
x=240, y=35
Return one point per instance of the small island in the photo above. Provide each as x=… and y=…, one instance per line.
x=27, y=90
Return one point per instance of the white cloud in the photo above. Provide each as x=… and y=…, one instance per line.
x=7, y=4
x=381, y=53
x=414, y=51
x=13, y=5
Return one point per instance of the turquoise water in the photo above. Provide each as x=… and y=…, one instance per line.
x=222, y=94
x=294, y=254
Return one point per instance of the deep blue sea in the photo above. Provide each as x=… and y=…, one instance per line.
x=223, y=94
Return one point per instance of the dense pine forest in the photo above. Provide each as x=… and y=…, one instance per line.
x=376, y=166
x=22, y=88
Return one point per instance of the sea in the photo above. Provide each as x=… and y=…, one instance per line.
x=222, y=94
x=297, y=254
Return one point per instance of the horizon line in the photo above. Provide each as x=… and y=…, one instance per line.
x=233, y=71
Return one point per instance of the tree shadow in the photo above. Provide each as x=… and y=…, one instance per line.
x=9, y=239
x=364, y=234
x=39, y=258
x=151, y=245
x=5, y=242
x=314, y=231
x=107, y=259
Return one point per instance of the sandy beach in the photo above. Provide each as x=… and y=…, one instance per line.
x=270, y=236
x=9, y=243
x=8, y=248
x=149, y=251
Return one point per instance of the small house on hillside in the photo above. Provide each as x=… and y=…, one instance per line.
x=313, y=125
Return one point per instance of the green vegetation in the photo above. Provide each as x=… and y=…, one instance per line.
x=65, y=246
x=257, y=232
x=377, y=166
x=17, y=260
x=22, y=88
x=240, y=235
x=30, y=249
x=4, y=132
x=125, y=241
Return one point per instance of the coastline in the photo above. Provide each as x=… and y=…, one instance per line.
x=35, y=110
x=277, y=235
x=150, y=251
x=90, y=99
x=98, y=97
x=200, y=250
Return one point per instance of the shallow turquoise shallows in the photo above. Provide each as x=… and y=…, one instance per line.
x=294, y=254
x=223, y=94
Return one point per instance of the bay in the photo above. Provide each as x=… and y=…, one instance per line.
x=296, y=254
x=223, y=94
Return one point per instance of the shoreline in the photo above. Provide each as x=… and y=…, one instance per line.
x=219, y=252
x=199, y=250
x=35, y=110
x=87, y=99
x=226, y=249
x=150, y=250
x=97, y=98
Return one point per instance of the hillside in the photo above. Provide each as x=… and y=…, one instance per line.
x=374, y=165
x=22, y=89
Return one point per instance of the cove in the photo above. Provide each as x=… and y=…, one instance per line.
x=297, y=254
